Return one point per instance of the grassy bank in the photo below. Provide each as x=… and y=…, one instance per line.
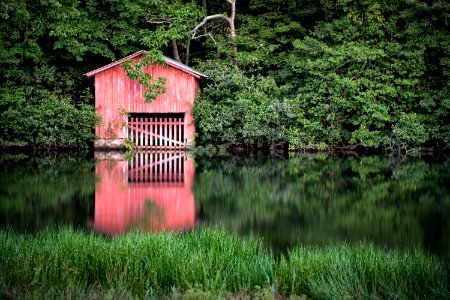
x=207, y=263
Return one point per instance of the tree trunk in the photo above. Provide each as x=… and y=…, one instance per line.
x=176, y=55
x=233, y=30
x=188, y=49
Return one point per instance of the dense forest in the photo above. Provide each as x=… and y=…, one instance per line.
x=325, y=74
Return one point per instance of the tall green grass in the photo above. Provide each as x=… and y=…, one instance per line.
x=68, y=263
x=362, y=272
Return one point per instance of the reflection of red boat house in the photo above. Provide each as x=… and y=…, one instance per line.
x=152, y=191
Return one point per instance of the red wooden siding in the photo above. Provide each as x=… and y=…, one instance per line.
x=129, y=195
x=114, y=92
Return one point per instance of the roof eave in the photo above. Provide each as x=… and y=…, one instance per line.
x=196, y=75
x=143, y=52
x=113, y=64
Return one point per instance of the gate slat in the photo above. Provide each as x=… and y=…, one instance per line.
x=164, y=123
x=170, y=132
x=161, y=124
x=180, y=132
x=141, y=141
x=150, y=129
x=131, y=128
x=145, y=132
x=175, y=135
x=137, y=131
x=157, y=131
x=166, y=133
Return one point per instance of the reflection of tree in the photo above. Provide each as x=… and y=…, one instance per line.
x=41, y=191
x=317, y=199
x=153, y=218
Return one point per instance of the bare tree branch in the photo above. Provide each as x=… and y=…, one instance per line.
x=230, y=21
x=203, y=35
x=206, y=19
x=153, y=19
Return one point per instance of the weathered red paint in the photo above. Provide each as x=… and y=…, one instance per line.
x=121, y=205
x=114, y=93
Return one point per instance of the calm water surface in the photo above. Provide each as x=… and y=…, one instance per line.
x=308, y=199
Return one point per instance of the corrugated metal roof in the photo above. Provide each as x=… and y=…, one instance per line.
x=169, y=61
x=182, y=66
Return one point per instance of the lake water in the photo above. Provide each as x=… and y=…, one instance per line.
x=305, y=199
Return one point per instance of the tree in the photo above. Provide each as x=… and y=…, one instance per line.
x=171, y=22
x=230, y=21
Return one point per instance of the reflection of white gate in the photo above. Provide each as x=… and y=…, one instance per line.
x=157, y=167
x=156, y=130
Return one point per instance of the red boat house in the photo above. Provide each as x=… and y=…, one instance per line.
x=165, y=123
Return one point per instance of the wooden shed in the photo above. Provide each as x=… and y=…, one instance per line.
x=166, y=123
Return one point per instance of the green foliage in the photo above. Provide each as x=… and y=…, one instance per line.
x=321, y=74
x=208, y=150
x=172, y=21
x=47, y=46
x=129, y=144
x=43, y=121
x=359, y=89
x=153, y=87
x=265, y=34
x=238, y=109
x=371, y=74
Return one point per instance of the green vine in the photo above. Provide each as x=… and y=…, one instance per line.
x=129, y=144
x=153, y=87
